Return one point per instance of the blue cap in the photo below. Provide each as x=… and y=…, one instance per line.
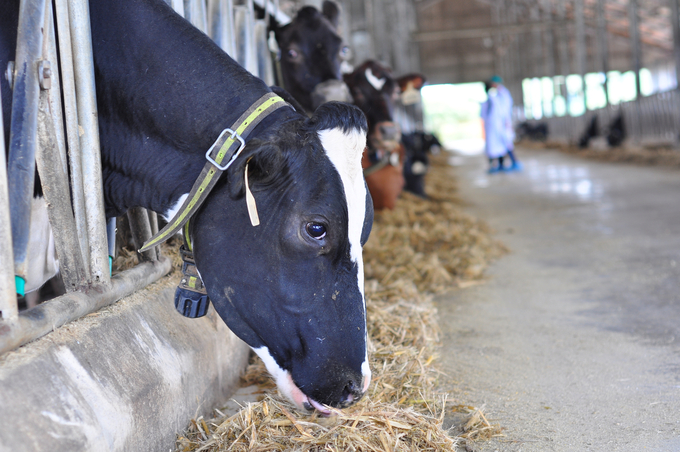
x=497, y=79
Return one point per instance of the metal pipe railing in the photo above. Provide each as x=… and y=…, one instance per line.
x=72, y=134
x=8, y=298
x=89, y=141
x=140, y=227
x=56, y=193
x=44, y=318
x=23, y=130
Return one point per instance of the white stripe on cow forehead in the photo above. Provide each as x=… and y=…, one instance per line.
x=376, y=82
x=344, y=149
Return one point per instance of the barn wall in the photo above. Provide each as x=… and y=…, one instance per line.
x=126, y=378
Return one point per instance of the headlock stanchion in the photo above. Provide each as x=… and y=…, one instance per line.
x=43, y=128
x=23, y=131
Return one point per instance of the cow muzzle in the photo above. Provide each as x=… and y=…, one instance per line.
x=330, y=90
x=341, y=389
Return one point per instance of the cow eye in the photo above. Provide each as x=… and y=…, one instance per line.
x=292, y=54
x=316, y=230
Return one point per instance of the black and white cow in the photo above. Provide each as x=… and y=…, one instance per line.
x=311, y=57
x=292, y=287
x=418, y=146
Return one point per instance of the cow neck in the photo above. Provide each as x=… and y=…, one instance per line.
x=219, y=156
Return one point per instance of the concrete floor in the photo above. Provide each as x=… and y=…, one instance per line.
x=573, y=343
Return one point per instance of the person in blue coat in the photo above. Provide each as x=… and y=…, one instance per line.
x=496, y=112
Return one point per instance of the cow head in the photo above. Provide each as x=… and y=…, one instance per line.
x=375, y=92
x=311, y=56
x=293, y=287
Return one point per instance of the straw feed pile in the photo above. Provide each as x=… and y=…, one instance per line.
x=420, y=248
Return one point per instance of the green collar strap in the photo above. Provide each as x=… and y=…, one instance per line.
x=226, y=148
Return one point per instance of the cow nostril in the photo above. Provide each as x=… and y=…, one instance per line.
x=350, y=393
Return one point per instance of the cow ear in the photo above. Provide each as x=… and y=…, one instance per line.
x=331, y=11
x=262, y=158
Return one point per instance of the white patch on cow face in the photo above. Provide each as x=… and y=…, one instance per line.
x=174, y=209
x=344, y=150
x=375, y=82
x=285, y=383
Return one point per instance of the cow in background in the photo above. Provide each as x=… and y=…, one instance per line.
x=616, y=132
x=535, y=131
x=311, y=56
x=291, y=287
x=418, y=145
x=375, y=91
x=591, y=131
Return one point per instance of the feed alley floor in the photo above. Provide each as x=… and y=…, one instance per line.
x=573, y=341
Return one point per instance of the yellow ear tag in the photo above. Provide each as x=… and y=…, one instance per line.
x=250, y=201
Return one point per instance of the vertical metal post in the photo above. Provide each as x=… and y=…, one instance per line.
x=496, y=36
x=226, y=28
x=581, y=50
x=602, y=47
x=565, y=67
x=89, y=141
x=194, y=12
x=24, y=128
x=8, y=298
x=265, y=69
x=369, y=12
x=53, y=168
x=675, y=22
x=54, y=180
x=636, y=57
x=72, y=134
x=251, y=48
x=549, y=40
x=141, y=231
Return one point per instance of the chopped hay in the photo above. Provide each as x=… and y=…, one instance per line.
x=274, y=425
x=421, y=248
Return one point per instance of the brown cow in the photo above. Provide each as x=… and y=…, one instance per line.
x=375, y=92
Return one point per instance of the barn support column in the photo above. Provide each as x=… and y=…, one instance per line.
x=602, y=47
x=563, y=40
x=79, y=16
x=636, y=60
x=549, y=54
x=581, y=51
x=496, y=36
x=537, y=68
x=675, y=22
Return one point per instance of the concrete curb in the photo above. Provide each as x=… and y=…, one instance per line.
x=126, y=378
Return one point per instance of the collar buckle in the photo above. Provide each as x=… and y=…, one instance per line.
x=233, y=134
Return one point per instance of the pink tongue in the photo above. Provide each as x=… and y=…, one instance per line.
x=322, y=409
